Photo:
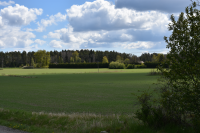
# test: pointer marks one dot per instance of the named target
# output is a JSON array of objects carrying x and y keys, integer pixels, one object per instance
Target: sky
[{"x": 130, "y": 26}]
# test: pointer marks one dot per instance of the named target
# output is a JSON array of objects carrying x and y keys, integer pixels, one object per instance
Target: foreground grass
[{"x": 79, "y": 123}]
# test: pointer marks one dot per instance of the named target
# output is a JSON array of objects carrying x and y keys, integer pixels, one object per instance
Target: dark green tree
[{"x": 180, "y": 90}]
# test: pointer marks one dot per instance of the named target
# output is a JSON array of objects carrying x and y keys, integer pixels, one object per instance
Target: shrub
[
  {"x": 154, "y": 64},
  {"x": 155, "y": 72},
  {"x": 130, "y": 66},
  {"x": 28, "y": 67},
  {"x": 79, "y": 65},
  {"x": 116, "y": 65},
  {"x": 140, "y": 66}
]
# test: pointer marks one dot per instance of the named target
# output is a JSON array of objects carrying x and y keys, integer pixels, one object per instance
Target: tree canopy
[{"x": 42, "y": 58}]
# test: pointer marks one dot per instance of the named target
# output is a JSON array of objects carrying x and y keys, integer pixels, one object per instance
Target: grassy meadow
[
  {"x": 73, "y": 90},
  {"x": 75, "y": 100}
]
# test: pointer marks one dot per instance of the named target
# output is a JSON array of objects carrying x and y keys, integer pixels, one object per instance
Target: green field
[{"x": 73, "y": 90}]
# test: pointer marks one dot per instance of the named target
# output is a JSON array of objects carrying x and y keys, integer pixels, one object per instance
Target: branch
[{"x": 198, "y": 4}]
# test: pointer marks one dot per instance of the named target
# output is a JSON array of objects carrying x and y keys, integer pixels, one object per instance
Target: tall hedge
[
  {"x": 154, "y": 64},
  {"x": 79, "y": 65}
]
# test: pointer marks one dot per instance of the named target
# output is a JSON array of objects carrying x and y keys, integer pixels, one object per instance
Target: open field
[
  {"x": 75, "y": 100},
  {"x": 19, "y": 71},
  {"x": 73, "y": 90}
]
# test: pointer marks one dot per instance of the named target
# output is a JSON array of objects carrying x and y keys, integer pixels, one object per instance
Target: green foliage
[
  {"x": 75, "y": 58},
  {"x": 71, "y": 60},
  {"x": 79, "y": 65},
  {"x": 140, "y": 66},
  {"x": 126, "y": 61},
  {"x": 60, "y": 60},
  {"x": 160, "y": 58},
  {"x": 130, "y": 66},
  {"x": 32, "y": 62},
  {"x": 154, "y": 58},
  {"x": 28, "y": 67},
  {"x": 119, "y": 59},
  {"x": 154, "y": 64},
  {"x": 116, "y": 65},
  {"x": 180, "y": 84},
  {"x": 42, "y": 58},
  {"x": 105, "y": 59}
]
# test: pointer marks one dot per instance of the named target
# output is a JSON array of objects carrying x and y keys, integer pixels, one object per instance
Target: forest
[{"x": 18, "y": 59}]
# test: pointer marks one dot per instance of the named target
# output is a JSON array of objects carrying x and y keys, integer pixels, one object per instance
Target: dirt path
[{"x": 4, "y": 129}]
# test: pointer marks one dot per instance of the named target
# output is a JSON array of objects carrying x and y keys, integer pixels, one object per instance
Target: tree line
[{"x": 43, "y": 58}]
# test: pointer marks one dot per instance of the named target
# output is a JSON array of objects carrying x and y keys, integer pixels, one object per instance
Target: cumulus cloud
[
  {"x": 2, "y": 44},
  {"x": 55, "y": 44},
  {"x": 4, "y": 3},
  {"x": 41, "y": 42},
  {"x": 19, "y": 15},
  {"x": 102, "y": 15},
  {"x": 139, "y": 44},
  {"x": 11, "y": 21},
  {"x": 100, "y": 24},
  {"x": 167, "y": 6},
  {"x": 52, "y": 20},
  {"x": 14, "y": 37}
]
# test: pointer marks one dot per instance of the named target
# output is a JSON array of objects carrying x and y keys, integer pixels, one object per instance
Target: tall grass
[{"x": 40, "y": 122}]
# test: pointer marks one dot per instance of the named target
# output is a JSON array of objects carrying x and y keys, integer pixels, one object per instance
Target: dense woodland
[{"x": 17, "y": 59}]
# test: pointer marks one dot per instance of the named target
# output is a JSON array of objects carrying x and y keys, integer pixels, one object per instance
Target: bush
[
  {"x": 79, "y": 65},
  {"x": 154, "y": 64},
  {"x": 116, "y": 65},
  {"x": 140, "y": 66},
  {"x": 130, "y": 66},
  {"x": 28, "y": 67}
]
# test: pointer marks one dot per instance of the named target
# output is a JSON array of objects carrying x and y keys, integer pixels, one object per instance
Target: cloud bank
[
  {"x": 12, "y": 19},
  {"x": 167, "y": 6},
  {"x": 4, "y": 3},
  {"x": 100, "y": 24}
]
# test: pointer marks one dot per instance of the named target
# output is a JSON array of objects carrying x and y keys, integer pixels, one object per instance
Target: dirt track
[{"x": 4, "y": 129}]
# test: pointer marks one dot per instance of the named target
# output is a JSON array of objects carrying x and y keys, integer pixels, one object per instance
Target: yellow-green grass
[
  {"x": 73, "y": 90},
  {"x": 19, "y": 71}
]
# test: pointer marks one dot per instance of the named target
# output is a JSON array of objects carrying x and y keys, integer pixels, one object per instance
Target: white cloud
[
  {"x": 41, "y": 42},
  {"x": 54, "y": 35},
  {"x": 102, "y": 15},
  {"x": 2, "y": 45},
  {"x": 13, "y": 37},
  {"x": 143, "y": 45},
  {"x": 1, "y": 23},
  {"x": 19, "y": 15},
  {"x": 28, "y": 48},
  {"x": 55, "y": 44},
  {"x": 52, "y": 20},
  {"x": 11, "y": 21},
  {"x": 4, "y": 3},
  {"x": 45, "y": 36}
]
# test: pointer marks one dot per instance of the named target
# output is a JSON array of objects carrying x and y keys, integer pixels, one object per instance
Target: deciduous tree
[{"x": 105, "y": 59}]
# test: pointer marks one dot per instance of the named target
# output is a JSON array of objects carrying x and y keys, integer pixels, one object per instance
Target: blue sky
[{"x": 130, "y": 26}]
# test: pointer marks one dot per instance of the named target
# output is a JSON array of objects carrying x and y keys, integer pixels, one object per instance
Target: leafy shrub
[
  {"x": 116, "y": 65},
  {"x": 140, "y": 66},
  {"x": 130, "y": 66},
  {"x": 154, "y": 64},
  {"x": 79, "y": 65},
  {"x": 155, "y": 72}
]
